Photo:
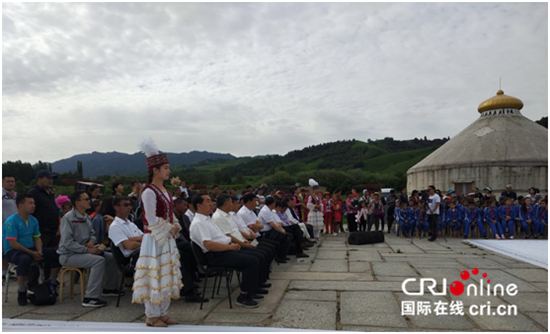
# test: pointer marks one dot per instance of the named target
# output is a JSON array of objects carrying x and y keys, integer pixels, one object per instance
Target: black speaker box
[{"x": 365, "y": 238}]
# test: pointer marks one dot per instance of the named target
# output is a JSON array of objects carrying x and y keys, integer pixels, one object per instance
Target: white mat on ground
[
  {"x": 530, "y": 251},
  {"x": 30, "y": 325}
]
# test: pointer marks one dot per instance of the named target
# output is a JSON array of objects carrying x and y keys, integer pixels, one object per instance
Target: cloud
[{"x": 258, "y": 78}]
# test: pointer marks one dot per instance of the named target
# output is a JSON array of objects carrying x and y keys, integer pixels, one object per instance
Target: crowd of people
[{"x": 157, "y": 226}]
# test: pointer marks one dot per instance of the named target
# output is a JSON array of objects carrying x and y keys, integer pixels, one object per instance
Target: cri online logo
[{"x": 457, "y": 288}]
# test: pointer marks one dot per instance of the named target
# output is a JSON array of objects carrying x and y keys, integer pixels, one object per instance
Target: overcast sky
[{"x": 251, "y": 79}]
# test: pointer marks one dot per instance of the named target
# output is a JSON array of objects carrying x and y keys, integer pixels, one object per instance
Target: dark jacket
[
  {"x": 46, "y": 211},
  {"x": 185, "y": 223}
]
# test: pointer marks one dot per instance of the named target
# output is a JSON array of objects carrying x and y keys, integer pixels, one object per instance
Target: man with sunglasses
[
  {"x": 78, "y": 248},
  {"x": 124, "y": 234}
]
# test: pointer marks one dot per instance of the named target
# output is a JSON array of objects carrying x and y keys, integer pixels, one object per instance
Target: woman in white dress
[
  {"x": 315, "y": 207},
  {"x": 157, "y": 278}
]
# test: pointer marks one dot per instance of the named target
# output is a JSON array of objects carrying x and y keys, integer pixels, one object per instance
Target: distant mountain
[{"x": 110, "y": 163}]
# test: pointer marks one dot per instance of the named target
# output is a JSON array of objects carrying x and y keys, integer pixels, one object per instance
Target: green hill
[{"x": 348, "y": 162}]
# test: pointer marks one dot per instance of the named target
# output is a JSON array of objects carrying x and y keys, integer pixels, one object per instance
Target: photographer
[{"x": 433, "y": 211}]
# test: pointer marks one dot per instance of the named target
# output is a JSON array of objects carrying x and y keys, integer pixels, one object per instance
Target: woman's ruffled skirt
[
  {"x": 157, "y": 277},
  {"x": 316, "y": 219}
]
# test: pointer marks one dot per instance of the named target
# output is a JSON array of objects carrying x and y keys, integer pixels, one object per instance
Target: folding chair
[
  {"x": 205, "y": 269},
  {"x": 124, "y": 264}
]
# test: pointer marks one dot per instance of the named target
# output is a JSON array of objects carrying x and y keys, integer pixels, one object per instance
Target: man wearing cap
[
  {"x": 509, "y": 193},
  {"x": 46, "y": 211}
]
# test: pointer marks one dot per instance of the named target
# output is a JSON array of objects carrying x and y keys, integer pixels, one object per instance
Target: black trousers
[
  {"x": 298, "y": 236},
  {"x": 373, "y": 219},
  {"x": 246, "y": 263},
  {"x": 432, "y": 220},
  {"x": 263, "y": 269},
  {"x": 188, "y": 266},
  {"x": 309, "y": 229},
  {"x": 390, "y": 222},
  {"x": 363, "y": 223},
  {"x": 352, "y": 224},
  {"x": 283, "y": 238},
  {"x": 270, "y": 246}
]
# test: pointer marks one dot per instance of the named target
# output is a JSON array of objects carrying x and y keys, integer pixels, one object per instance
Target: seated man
[
  {"x": 223, "y": 220},
  {"x": 219, "y": 251},
  {"x": 78, "y": 248},
  {"x": 249, "y": 233},
  {"x": 307, "y": 229},
  {"x": 246, "y": 213},
  {"x": 274, "y": 230},
  {"x": 292, "y": 229},
  {"x": 187, "y": 259},
  {"x": 290, "y": 226},
  {"x": 124, "y": 234},
  {"x": 22, "y": 244}
]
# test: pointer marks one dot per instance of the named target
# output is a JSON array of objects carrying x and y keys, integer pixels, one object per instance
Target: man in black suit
[{"x": 187, "y": 259}]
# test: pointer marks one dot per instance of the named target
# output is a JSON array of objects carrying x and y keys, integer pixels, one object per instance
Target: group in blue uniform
[{"x": 532, "y": 218}]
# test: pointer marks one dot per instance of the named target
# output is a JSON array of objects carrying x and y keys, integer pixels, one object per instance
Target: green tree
[
  {"x": 79, "y": 170},
  {"x": 19, "y": 187}
]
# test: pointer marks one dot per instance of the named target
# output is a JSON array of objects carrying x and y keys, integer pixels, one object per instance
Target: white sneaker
[
  {"x": 334, "y": 234},
  {"x": 511, "y": 237}
]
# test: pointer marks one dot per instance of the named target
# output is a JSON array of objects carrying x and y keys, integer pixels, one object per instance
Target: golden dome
[{"x": 500, "y": 101}]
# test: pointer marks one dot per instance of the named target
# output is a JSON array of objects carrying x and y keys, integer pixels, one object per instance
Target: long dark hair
[{"x": 150, "y": 174}]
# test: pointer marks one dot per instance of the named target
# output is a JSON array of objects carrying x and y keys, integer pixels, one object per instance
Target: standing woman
[
  {"x": 297, "y": 200},
  {"x": 337, "y": 209},
  {"x": 157, "y": 278},
  {"x": 315, "y": 207},
  {"x": 376, "y": 211}
]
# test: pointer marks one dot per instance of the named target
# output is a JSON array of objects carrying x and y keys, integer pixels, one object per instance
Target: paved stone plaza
[{"x": 346, "y": 287}]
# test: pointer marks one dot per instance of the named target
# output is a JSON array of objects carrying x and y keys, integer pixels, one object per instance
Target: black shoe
[
  {"x": 302, "y": 255},
  {"x": 111, "y": 293},
  {"x": 286, "y": 259},
  {"x": 93, "y": 302},
  {"x": 245, "y": 301},
  {"x": 265, "y": 285},
  {"x": 257, "y": 298},
  {"x": 195, "y": 299},
  {"x": 431, "y": 240},
  {"x": 22, "y": 298},
  {"x": 307, "y": 244},
  {"x": 262, "y": 292},
  {"x": 527, "y": 236}
]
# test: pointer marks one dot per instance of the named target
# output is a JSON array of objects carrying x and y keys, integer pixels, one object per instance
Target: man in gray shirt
[{"x": 77, "y": 248}]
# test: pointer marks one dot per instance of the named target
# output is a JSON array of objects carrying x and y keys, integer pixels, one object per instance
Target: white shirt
[
  {"x": 122, "y": 230},
  {"x": 190, "y": 214},
  {"x": 203, "y": 229},
  {"x": 226, "y": 224},
  {"x": 266, "y": 216},
  {"x": 249, "y": 217},
  {"x": 432, "y": 203},
  {"x": 184, "y": 190},
  {"x": 290, "y": 217},
  {"x": 241, "y": 225}
]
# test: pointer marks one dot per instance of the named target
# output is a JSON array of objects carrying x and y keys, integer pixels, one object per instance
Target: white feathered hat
[
  {"x": 313, "y": 184},
  {"x": 154, "y": 159}
]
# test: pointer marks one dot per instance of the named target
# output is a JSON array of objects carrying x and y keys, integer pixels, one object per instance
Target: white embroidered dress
[
  {"x": 315, "y": 218},
  {"x": 157, "y": 278}
]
